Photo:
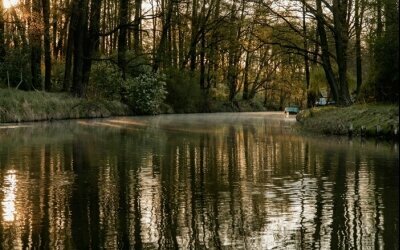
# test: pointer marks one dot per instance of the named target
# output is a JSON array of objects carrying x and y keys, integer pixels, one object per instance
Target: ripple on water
[{"x": 213, "y": 181}]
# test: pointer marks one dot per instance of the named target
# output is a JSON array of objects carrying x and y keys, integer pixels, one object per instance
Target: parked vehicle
[
  {"x": 291, "y": 110},
  {"x": 321, "y": 102}
]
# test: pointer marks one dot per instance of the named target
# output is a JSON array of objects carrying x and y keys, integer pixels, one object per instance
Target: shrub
[
  {"x": 184, "y": 94},
  {"x": 105, "y": 81},
  {"x": 137, "y": 64},
  {"x": 145, "y": 93}
]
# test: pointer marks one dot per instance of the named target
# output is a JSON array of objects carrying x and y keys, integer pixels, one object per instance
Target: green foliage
[
  {"x": 386, "y": 70},
  {"x": 57, "y": 75},
  {"x": 317, "y": 80},
  {"x": 220, "y": 93},
  {"x": 137, "y": 65},
  {"x": 145, "y": 93},
  {"x": 105, "y": 81},
  {"x": 16, "y": 69},
  {"x": 184, "y": 93}
]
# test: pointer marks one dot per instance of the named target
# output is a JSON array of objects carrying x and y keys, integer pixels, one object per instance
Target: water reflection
[
  {"x": 8, "y": 204},
  {"x": 193, "y": 182}
]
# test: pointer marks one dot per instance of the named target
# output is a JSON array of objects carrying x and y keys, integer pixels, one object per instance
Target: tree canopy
[{"x": 280, "y": 52}]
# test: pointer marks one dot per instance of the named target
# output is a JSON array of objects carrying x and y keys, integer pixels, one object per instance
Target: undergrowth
[{"x": 22, "y": 106}]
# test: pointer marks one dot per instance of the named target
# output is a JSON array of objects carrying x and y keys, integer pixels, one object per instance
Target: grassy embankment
[
  {"x": 369, "y": 120},
  {"x": 22, "y": 106}
]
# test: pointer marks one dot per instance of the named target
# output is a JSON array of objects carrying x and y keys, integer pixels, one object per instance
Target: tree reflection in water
[{"x": 242, "y": 182}]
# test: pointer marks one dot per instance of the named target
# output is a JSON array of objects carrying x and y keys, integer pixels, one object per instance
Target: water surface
[{"x": 207, "y": 181}]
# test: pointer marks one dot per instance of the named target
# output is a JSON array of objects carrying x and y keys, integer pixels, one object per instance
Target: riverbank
[
  {"x": 23, "y": 106},
  {"x": 366, "y": 120}
]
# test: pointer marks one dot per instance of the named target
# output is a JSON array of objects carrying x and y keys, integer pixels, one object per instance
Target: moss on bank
[
  {"x": 369, "y": 120},
  {"x": 22, "y": 106}
]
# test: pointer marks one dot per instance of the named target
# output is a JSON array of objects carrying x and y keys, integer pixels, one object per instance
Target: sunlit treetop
[{"x": 10, "y": 3}]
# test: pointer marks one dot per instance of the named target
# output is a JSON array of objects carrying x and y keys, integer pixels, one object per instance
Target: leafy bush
[
  {"x": 137, "y": 64},
  {"x": 145, "y": 93},
  {"x": 105, "y": 81},
  {"x": 184, "y": 94}
]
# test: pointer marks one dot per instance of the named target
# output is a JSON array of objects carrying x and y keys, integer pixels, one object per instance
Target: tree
[
  {"x": 137, "y": 43},
  {"x": 310, "y": 100},
  {"x": 341, "y": 34},
  {"x": 234, "y": 49},
  {"x": 47, "y": 52},
  {"x": 80, "y": 43},
  {"x": 387, "y": 52},
  {"x": 358, "y": 17},
  {"x": 163, "y": 39},
  {"x": 2, "y": 44},
  {"x": 325, "y": 55},
  {"x": 35, "y": 31},
  {"x": 122, "y": 36},
  {"x": 92, "y": 45}
]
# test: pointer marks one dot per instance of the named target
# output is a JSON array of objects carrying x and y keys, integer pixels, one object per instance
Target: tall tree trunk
[
  {"x": 80, "y": 40},
  {"x": 234, "y": 50},
  {"x": 379, "y": 22},
  {"x": 2, "y": 42},
  {"x": 36, "y": 45},
  {"x": 341, "y": 36},
  {"x": 137, "y": 43},
  {"x": 122, "y": 42},
  {"x": 47, "y": 50},
  {"x": 60, "y": 49},
  {"x": 154, "y": 31},
  {"x": 314, "y": 59},
  {"x": 231, "y": 74},
  {"x": 181, "y": 41},
  {"x": 193, "y": 38},
  {"x": 174, "y": 38},
  {"x": 163, "y": 40},
  {"x": 73, "y": 25},
  {"x": 214, "y": 48},
  {"x": 246, "y": 83},
  {"x": 326, "y": 63},
  {"x": 92, "y": 48},
  {"x": 358, "y": 24},
  {"x": 103, "y": 28},
  {"x": 202, "y": 60},
  {"x": 310, "y": 100},
  {"x": 54, "y": 27}
]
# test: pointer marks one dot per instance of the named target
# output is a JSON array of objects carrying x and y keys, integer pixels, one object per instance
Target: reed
[{"x": 23, "y": 106}]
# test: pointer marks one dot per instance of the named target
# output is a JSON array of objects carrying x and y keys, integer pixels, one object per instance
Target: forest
[{"x": 188, "y": 55}]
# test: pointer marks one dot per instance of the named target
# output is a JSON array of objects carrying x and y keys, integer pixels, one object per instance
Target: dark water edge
[{"x": 218, "y": 181}]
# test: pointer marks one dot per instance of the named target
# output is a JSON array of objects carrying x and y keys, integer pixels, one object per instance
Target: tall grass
[
  {"x": 22, "y": 106},
  {"x": 337, "y": 120}
]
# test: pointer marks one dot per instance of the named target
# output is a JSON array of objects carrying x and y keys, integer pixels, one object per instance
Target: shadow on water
[{"x": 194, "y": 182}]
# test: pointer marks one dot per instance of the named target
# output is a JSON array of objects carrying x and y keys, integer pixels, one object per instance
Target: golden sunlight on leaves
[{"x": 10, "y": 3}]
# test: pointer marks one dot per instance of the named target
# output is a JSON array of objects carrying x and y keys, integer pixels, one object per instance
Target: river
[{"x": 198, "y": 181}]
